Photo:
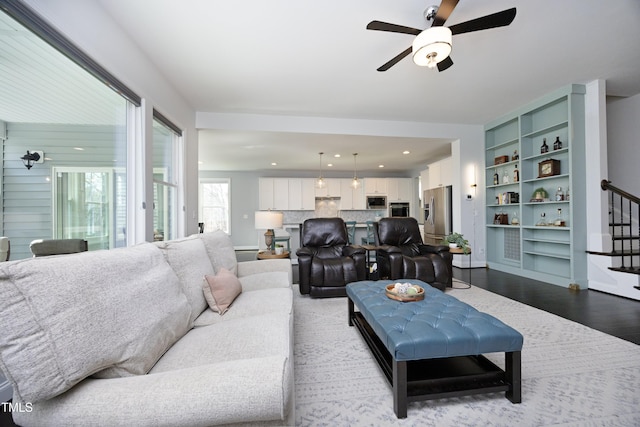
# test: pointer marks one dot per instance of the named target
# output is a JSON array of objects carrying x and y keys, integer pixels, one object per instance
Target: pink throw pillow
[{"x": 220, "y": 290}]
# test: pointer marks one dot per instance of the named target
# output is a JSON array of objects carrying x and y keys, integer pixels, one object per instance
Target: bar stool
[
  {"x": 371, "y": 238},
  {"x": 351, "y": 231},
  {"x": 280, "y": 237}
]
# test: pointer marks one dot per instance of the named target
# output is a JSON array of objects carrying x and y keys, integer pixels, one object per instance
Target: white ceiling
[{"x": 316, "y": 59}]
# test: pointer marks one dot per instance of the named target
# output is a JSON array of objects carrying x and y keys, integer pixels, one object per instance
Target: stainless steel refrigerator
[{"x": 437, "y": 214}]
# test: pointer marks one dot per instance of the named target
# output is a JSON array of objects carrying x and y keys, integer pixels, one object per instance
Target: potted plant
[
  {"x": 279, "y": 249},
  {"x": 456, "y": 240},
  {"x": 540, "y": 194}
]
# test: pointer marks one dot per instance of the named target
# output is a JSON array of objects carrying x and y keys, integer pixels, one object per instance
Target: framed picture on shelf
[{"x": 549, "y": 167}]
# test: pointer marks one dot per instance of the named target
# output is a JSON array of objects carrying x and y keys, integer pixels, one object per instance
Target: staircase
[{"x": 624, "y": 226}]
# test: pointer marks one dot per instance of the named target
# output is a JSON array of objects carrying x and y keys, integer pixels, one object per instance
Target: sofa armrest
[
  {"x": 218, "y": 393},
  {"x": 247, "y": 268}
]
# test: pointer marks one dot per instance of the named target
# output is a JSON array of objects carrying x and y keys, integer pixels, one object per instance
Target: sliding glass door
[{"x": 85, "y": 206}]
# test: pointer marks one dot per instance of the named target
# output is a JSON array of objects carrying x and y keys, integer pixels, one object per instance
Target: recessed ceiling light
[
  {"x": 406, "y": 152},
  {"x": 274, "y": 164},
  {"x": 336, "y": 155},
  {"x": 380, "y": 166},
  {"x": 330, "y": 165}
]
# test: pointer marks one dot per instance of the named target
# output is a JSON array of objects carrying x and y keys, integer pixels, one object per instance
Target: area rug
[{"x": 572, "y": 375}]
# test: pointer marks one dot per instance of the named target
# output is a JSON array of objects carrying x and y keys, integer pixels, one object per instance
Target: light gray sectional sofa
[{"x": 125, "y": 337}]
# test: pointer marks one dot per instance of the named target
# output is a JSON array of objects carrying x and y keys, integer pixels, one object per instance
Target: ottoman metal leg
[
  {"x": 400, "y": 388},
  {"x": 351, "y": 311},
  {"x": 513, "y": 373}
]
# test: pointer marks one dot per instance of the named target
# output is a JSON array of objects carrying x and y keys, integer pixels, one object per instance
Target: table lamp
[{"x": 268, "y": 220}]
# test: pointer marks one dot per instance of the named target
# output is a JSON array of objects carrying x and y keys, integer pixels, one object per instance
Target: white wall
[
  {"x": 623, "y": 141},
  {"x": 623, "y": 133},
  {"x": 94, "y": 31}
]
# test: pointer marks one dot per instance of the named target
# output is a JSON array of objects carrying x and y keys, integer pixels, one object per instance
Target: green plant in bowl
[
  {"x": 457, "y": 239},
  {"x": 540, "y": 193}
]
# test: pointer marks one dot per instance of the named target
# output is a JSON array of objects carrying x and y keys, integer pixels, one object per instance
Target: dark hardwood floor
[{"x": 610, "y": 314}]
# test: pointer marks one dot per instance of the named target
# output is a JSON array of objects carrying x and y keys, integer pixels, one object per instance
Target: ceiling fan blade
[
  {"x": 498, "y": 19},
  {"x": 444, "y": 10},
  {"x": 393, "y": 28},
  {"x": 445, "y": 63},
  {"x": 395, "y": 60}
]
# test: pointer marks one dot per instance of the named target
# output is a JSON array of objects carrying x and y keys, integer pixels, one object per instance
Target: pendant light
[
  {"x": 355, "y": 183},
  {"x": 320, "y": 182}
]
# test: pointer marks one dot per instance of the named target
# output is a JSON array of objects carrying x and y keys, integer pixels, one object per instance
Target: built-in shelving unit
[{"x": 553, "y": 252}]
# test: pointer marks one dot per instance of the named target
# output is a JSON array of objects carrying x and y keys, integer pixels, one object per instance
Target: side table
[
  {"x": 272, "y": 255},
  {"x": 370, "y": 249},
  {"x": 460, "y": 251}
]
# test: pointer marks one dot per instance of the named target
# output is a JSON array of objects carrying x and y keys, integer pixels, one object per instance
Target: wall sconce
[{"x": 30, "y": 158}]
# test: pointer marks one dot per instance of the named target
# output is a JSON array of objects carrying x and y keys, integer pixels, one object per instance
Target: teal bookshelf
[{"x": 553, "y": 252}]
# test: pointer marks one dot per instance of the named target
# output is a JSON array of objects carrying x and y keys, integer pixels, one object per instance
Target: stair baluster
[{"x": 624, "y": 243}]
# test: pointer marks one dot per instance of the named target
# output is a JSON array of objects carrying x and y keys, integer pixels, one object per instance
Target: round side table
[{"x": 272, "y": 255}]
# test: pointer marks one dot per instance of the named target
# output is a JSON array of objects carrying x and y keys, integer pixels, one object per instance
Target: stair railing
[{"x": 624, "y": 224}]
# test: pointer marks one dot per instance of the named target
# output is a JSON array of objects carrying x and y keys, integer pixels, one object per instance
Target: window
[
  {"x": 165, "y": 183},
  {"x": 84, "y": 206},
  {"x": 58, "y": 101},
  {"x": 215, "y": 204}
]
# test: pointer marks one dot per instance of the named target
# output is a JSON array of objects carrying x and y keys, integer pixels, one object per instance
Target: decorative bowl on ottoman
[{"x": 405, "y": 292}]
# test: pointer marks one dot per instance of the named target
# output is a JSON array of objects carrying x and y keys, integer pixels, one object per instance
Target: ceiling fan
[{"x": 432, "y": 46}]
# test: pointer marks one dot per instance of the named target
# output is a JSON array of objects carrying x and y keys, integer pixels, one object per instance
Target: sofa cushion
[
  {"x": 66, "y": 317},
  {"x": 253, "y": 303},
  {"x": 245, "y": 338},
  {"x": 220, "y": 249},
  {"x": 266, "y": 280},
  {"x": 189, "y": 259},
  {"x": 220, "y": 290}
]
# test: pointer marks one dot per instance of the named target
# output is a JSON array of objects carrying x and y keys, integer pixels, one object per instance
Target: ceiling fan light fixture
[{"x": 432, "y": 46}]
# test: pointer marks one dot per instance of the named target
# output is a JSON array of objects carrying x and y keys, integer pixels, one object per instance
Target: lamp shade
[
  {"x": 268, "y": 220},
  {"x": 431, "y": 46}
]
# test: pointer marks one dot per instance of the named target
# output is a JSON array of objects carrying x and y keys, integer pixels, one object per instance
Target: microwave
[{"x": 376, "y": 202}]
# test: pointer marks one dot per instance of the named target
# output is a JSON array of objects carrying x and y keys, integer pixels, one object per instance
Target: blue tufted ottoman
[{"x": 433, "y": 348}]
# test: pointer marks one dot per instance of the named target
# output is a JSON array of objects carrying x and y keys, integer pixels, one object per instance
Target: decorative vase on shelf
[
  {"x": 544, "y": 148},
  {"x": 453, "y": 245},
  {"x": 557, "y": 145}
]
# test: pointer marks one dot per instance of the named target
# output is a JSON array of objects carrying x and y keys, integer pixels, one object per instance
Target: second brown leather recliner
[{"x": 401, "y": 254}]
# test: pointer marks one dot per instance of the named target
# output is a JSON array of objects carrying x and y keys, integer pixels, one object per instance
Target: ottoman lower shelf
[{"x": 437, "y": 378}]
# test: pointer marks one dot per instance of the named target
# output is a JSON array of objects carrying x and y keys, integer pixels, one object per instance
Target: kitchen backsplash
[{"x": 298, "y": 217}]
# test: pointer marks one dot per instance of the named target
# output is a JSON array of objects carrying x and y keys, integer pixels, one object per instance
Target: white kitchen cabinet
[
  {"x": 351, "y": 198},
  {"x": 440, "y": 174},
  {"x": 265, "y": 194},
  {"x": 331, "y": 188},
  {"x": 281, "y": 194},
  {"x": 274, "y": 193},
  {"x": 399, "y": 189},
  {"x": 375, "y": 186},
  {"x": 302, "y": 194}
]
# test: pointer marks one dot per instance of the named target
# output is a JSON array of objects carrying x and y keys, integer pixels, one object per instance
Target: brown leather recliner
[
  {"x": 401, "y": 254},
  {"x": 326, "y": 261}
]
